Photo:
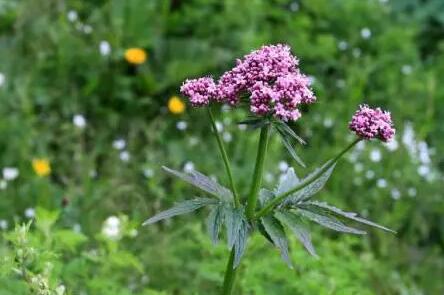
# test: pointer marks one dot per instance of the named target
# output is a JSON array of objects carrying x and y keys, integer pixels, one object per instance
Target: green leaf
[
  {"x": 202, "y": 182},
  {"x": 314, "y": 187},
  {"x": 241, "y": 242},
  {"x": 277, "y": 234},
  {"x": 289, "y": 181},
  {"x": 214, "y": 223},
  {"x": 284, "y": 128},
  {"x": 289, "y": 146},
  {"x": 329, "y": 222},
  {"x": 233, "y": 221},
  {"x": 265, "y": 196},
  {"x": 349, "y": 215},
  {"x": 254, "y": 122},
  {"x": 295, "y": 224},
  {"x": 181, "y": 208}
]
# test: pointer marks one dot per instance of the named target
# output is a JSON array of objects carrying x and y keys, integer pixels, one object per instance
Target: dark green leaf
[
  {"x": 214, "y": 223},
  {"x": 255, "y": 123},
  {"x": 241, "y": 242},
  {"x": 349, "y": 215},
  {"x": 295, "y": 224},
  {"x": 233, "y": 220},
  {"x": 181, "y": 208},
  {"x": 277, "y": 234},
  {"x": 202, "y": 182},
  {"x": 289, "y": 181},
  {"x": 329, "y": 222},
  {"x": 288, "y": 131},
  {"x": 290, "y": 148},
  {"x": 313, "y": 187},
  {"x": 265, "y": 196}
]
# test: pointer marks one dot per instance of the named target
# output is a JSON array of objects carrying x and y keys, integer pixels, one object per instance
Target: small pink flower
[
  {"x": 270, "y": 76},
  {"x": 371, "y": 123},
  {"x": 200, "y": 90}
]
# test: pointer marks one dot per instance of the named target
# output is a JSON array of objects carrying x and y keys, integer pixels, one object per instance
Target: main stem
[
  {"x": 224, "y": 157},
  {"x": 258, "y": 171},
  {"x": 230, "y": 275},
  {"x": 279, "y": 198},
  {"x": 230, "y": 272}
]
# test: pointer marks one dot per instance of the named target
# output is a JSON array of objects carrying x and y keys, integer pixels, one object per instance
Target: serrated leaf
[
  {"x": 265, "y": 196},
  {"x": 290, "y": 148},
  {"x": 289, "y": 181},
  {"x": 241, "y": 242},
  {"x": 233, "y": 219},
  {"x": 288, "y": 131},
  {"x": 202, "y": 182},
  {"x": 277, "y": 234},
  {"x": 313, "y": 187},
  {"x": 349, "y": 215},
  {"x": 295, "y": 224},
  {"x": 329, "y": 222},
  {"x": 214, "y": 222},
  {"x": 181, "y": 208}
]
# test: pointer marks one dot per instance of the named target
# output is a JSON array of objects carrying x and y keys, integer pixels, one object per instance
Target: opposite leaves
[
  {"x": 277, "y": 234},
  {"x": 181, "y": 208},
  {"x": 202, "y": 182}
]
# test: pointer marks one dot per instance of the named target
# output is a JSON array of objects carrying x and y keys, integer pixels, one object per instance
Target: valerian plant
[{"x": 270, "y": 82}]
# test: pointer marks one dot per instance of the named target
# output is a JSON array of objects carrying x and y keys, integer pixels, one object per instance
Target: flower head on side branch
[{"x": 371, "y": 123}]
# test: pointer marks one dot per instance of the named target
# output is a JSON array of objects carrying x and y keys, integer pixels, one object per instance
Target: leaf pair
[
  {"x": 222, "y": 212},
  {"x": 296, "y": 207},
  {"x": 203, "y": 183},
  {"x": 289, "y": 139}
]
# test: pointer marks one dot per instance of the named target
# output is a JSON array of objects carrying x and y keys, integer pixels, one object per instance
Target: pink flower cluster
[
  {"x": 371, "y": 123},
  {"x": 270, "y": 76},
  {"x": 200, "y": 91}
]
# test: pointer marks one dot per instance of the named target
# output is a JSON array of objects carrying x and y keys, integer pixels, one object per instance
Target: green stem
[
  {"x": 225, "y": 158},
  {"x": 230, "y": 275},
  {"x": 258, "y": 170},
  {"x": 279, "y": 198}
]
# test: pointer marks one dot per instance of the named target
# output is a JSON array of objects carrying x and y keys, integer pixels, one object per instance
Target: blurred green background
[{"x": 69, "y": 98}]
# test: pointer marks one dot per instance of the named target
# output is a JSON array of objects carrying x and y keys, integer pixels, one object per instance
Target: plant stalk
[
  {"x": 258, "y": 171},
  {"x": 230, "y": 276},
  {"x": 225, "y": 158},
  {"x": 279, "y": 198}
]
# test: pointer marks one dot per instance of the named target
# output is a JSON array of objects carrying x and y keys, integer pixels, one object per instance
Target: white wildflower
[
  {"x": 104, "y": 48},
  {"x": 188, "y": 167},
  {"x": 342, "y": 45},
  {"x": 3, "y": 224},
  {"x": 381, "y": 183},
  {"x": 111, "y": 228},
  {"x": 125, "y": 156},
  {"x": 406, "y": 69},
  {"x": 375, "y": 155},
  {"x": 72, "y": 15},
  {"x": 366, "y": 33},
  {"x": 30, "y": 213},
  {"x": 181, "y": 125},
  {"x": 148, "y": 172},
  {"x": 10, "y": 173},
  {"x": 227, "y": 137},
  {"x": 119, "y": 144},
  {"x": 79, "y": 121}
]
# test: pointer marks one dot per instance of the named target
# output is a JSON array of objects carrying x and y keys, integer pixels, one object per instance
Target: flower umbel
[
  {"x": 176, "y": 105},
  {"x": 270, "y": 76},
  {"x": 200, "y": 90},
  {"x": 41, "y": 167},
  {"x": 371, "y": 123},
  {"x": 135, "y": 56}
]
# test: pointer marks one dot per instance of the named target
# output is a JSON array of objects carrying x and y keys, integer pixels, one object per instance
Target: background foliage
[{"x": 54, "y": 65}]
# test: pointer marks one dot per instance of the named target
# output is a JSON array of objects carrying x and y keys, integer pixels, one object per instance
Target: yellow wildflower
[
  {"x": 41, "y": 167},
  {"x": 176, "y": 105},
  {"x": 135, "y": 56}
]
